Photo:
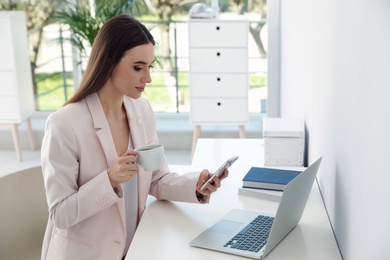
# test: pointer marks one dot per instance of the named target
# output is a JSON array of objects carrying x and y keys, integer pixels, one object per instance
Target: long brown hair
[{"x": 116, "y": 36}]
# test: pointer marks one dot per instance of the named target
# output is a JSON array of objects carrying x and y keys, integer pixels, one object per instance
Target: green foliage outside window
[{"x": 52, "y": 90}]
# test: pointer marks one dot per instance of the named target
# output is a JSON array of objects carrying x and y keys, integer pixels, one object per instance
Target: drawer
[
  {"x": 219, "y": 85},
  {"x": 222, "y": 110},
  {"x": 6, "y": 46},
  {"x": 218, "y": 33},
  {"x": 9, "y": 109},
  {"x": 7, "y": 84},
  {"x": 219, "y": 60}
]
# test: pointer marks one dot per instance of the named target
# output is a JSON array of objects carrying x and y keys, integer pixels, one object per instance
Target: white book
[{"x": 273, "y": 195}]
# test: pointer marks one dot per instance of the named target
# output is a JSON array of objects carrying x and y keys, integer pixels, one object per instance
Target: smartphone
[{"x": 220, "y": 170}]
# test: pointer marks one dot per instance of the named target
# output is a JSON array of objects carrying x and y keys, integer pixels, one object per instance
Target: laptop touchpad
[{"x": 225, "y": 227}]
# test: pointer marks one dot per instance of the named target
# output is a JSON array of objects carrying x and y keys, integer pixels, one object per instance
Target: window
[{"x": 169, "y": 90}]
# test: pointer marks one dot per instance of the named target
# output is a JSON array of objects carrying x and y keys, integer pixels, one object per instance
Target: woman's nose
[{"x": 147, "y": 78}]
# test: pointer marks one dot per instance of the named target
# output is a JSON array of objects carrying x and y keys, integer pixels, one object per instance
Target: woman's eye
[{"x": 136, "y": 68}]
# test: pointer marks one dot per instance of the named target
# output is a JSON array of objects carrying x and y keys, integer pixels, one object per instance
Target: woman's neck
[{"x": 112, "y": 104}]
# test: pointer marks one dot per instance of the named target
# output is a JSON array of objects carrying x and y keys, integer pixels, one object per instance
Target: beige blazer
[{"x": 86, "y": 217}]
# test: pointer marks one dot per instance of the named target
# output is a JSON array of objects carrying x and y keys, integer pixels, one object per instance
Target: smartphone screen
[{"x": 220, "y": 170}]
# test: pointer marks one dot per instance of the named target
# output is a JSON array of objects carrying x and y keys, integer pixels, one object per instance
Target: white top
[{"x": 130, "y": 191}]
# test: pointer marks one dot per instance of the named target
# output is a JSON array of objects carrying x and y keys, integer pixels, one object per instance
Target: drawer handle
[
  {"x": 218, "y": 79},
  {"x": 219, "y": 104},
  {"x": 218, "y": 54},
  {"x": 217, "y": 28}
]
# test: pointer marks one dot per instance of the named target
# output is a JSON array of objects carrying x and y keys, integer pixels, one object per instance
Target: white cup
[{"x": 150, "y": 156}]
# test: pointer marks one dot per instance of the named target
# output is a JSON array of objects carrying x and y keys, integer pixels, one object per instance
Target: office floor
[{"x": 9, "y": 163}]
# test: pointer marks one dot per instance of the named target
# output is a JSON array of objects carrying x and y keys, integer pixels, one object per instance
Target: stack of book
[{"x": 266, "y": 183}]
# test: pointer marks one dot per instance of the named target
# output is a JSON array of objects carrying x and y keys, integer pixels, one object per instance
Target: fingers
[
  {"x": 130, "y": 152},
  {"x": 125, "y": 168},
  {"x": 127, "y": 160},
  {"x": 128, "y": 169},
  {"x": 210, "y": 188},
  {"x": 224, "y": 175},
  {"x": 217, "y": 184},
  {"x": 124, "y": 174},
  {"x": 204, "y": 176},
  {"x": 217, "y": 180}
]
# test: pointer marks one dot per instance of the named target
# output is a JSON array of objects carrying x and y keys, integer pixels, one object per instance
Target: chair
[{"x": 23, "y": 214}]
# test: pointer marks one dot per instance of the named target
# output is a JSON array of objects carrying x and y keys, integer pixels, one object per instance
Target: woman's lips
[{"x": 140, "y": 89}]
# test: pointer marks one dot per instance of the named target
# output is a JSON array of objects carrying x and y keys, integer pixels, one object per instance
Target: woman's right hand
[{"x": 123, "y": 169}]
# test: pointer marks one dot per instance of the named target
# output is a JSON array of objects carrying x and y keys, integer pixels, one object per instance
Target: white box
[{"x": 284, "y": 141}]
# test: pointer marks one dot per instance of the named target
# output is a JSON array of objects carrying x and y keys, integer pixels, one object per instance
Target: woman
[{"x": 95, "y": 190}]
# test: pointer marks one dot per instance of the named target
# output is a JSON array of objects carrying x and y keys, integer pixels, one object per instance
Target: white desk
[{"x": 167, "y": 227}]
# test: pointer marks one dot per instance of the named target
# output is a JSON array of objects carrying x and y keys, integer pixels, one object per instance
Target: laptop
[{"x": 229, "y": 234}]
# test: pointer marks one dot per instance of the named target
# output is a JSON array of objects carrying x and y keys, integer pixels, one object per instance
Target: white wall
[{"x": 335, "y": 72}]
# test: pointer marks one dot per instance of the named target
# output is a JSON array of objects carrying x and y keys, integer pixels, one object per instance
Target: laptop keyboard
[{"x": 254, "y": 236}]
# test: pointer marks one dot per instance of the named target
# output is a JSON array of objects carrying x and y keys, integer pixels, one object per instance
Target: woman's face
[{"x": 132, "y": 73}]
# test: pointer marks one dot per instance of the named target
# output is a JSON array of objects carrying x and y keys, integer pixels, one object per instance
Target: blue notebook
[{"x": 268, "y": 178}]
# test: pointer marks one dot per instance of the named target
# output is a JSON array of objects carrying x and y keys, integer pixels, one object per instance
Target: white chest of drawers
[
  {"x": 16, "y": 87},
  {"x": 218, "y": 72}
]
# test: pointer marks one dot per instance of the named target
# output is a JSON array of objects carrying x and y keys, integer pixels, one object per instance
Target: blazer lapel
[{"x": 103, "y": 133}]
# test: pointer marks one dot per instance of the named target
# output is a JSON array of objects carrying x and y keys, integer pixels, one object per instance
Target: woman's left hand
[{"x": 210, "y": 188}]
